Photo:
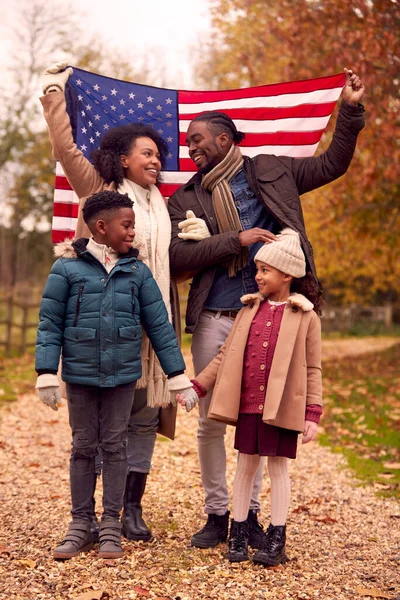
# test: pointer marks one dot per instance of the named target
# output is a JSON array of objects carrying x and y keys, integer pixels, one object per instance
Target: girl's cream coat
[{"x": 295, "y": 379}]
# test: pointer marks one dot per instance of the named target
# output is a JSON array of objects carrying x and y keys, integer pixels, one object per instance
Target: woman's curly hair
[
  {"x": 308, "y": 286},
  {"x": 119, "y": 140}
]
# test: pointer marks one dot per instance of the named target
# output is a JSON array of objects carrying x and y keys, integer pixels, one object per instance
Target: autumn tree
[
  {"x": 26, "y": 163},
  {"x": 256, "y": 42}
]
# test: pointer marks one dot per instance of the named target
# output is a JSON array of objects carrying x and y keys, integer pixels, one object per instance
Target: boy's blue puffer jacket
[{"x": 96, "y": 319}]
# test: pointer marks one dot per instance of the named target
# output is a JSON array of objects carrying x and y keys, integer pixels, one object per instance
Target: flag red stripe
[
  {"x": 276, "y": 89},
  {"x": 281, "y": 138},
  {"x": 62, "y": 183},
  {"x": 272, "y": 114},
  {"x": 167, "y": 189},
  {"x": 64, "y": 209},
  {"x": 60, "y": 235}
]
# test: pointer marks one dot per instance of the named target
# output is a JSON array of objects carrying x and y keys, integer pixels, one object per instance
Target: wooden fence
[
  {"x": 20, "y": 314},
  {"x": 342, "y": 318},
  {"x": 15, "y": 316}
]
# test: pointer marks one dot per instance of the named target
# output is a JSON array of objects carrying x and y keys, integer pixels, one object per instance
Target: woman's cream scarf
[{"x": 153, "y": 378}]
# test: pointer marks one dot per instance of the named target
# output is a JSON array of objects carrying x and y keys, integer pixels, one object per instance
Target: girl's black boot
[
  {"x": 272, "y": 552},
  {"x": 238, "y": 541}
]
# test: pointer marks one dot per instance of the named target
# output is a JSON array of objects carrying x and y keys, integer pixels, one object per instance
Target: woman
[{"x": 129, "y": 161}]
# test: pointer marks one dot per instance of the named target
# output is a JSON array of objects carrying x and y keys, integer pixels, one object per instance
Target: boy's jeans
[
  {"x": 98, "y": 418},
  {"x": 142, "y": 433}
]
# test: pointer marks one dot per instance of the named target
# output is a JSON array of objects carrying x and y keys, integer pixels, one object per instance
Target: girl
[{"x": 268, "y": 382}]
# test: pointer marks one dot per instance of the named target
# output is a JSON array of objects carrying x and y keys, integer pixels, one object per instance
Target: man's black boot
[
  {"x": 272, "y": 552},
  {"x": 256, "y": 531},
  {"x": 238, "y": 541},
  {"x": 213, "y": 532},
  {"x": 133, "y": 525}
]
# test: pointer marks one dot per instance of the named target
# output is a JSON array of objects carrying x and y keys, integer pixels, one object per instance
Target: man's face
[{"x": 206, "y": 149}]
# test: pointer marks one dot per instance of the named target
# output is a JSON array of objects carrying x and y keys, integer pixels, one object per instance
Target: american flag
[{"x": 282, "y": 119}]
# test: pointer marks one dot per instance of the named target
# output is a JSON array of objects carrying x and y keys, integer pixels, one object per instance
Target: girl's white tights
[{"x": 243, "y": 486}]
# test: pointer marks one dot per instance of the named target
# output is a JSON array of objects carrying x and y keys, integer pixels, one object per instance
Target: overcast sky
[{"x": 174, "y": 28}]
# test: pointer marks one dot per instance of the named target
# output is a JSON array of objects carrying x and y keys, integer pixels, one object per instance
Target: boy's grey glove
[
  {"x": 49, "y": 390},
  {"x": 188, "y": 399},
  {"x": 55, "y": 77},
  {"x": 178, "y": 385},
  {"x": 193, "y": 228}
]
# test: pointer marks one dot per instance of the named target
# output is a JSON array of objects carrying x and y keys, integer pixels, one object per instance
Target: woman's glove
[
  {"x": 55, "y": 77},
  {"x": 193, "y": 228},
  {"x": 188, "y": 399},
  {"x": 49, "y": 390}
]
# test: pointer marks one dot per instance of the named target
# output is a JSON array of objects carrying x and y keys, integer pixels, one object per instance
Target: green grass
[
  {"x": 362, "y": 416},
  {"x": 17, "y": 376}
]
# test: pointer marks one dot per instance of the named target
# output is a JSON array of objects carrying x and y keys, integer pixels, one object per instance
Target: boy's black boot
[
  {"x": 256, "y": 531},
  {"x": 133, "y": 525},
  {"x": 213, "y": 532},
  {"x": 78, "y": 539},
  {"x": 238, "y": 541},
  {"x": 272, "y": 552}
]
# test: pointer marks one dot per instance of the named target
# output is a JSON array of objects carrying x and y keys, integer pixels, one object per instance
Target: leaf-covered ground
[{"x": 343, "y": 541}]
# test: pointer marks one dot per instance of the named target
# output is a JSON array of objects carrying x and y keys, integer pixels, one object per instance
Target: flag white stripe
[
  {"x": 59, "y": 169},
  {"x": 176, "y": 176},
  {"x": 64, "y": 223},
  {"x": 283, "y": 101},
  {"x": 291, "y": 125},
  {"x": 64, "y": 197},
  {"x": 293, "y": 151}
]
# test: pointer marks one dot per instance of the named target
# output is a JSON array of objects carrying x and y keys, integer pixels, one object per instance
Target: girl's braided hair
[{"x": 220, "y": 122}]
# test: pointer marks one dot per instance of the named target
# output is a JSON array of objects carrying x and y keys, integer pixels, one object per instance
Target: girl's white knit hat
[{"x": 285, "y": 253}]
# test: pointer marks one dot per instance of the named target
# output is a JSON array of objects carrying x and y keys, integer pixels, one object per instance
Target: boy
[{"x": 97, "y": 297}]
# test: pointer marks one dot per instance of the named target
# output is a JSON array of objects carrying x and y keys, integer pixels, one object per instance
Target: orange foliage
[{"x": 264, "y": 41}]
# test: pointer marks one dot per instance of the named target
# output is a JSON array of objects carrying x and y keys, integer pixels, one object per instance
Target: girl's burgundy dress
[{"x": 252, "y": 435}]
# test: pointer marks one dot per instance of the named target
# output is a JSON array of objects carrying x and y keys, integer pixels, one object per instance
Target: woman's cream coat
[{"x": 295, "y": 379}]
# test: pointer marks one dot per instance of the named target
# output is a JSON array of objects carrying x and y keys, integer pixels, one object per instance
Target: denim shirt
[{"x": 225, "y": 292}]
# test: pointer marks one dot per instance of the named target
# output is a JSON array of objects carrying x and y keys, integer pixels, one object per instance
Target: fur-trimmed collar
[
  {"x": 72, "y": 248},
  {"x": 294, "y": 300},
  {"x": 65, "y": 249}
]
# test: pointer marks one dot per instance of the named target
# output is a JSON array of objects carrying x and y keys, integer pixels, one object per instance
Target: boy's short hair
[{"x": 104, "y": 202}]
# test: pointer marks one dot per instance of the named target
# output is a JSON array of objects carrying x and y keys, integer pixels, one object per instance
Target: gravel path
[{"x": 343, "y": 541}]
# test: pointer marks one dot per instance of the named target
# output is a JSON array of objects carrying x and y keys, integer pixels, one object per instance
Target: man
[{"x": 237, "y": 205}]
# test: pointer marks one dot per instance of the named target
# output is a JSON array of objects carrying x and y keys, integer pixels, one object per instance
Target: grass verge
[
  {"x": 362, "y": 416},
  {"x": 17, "y": 376}
]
